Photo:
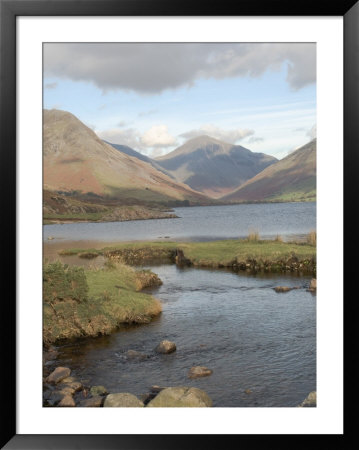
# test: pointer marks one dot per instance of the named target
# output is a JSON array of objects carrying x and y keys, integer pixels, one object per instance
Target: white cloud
[
  {"x": 130, "y": 137},
  {"x": 158, "y": 137},
  {"x": 152, "y": 68},
  {"x": 230, "y": 136},
  {"x": 157, "y": 152}
]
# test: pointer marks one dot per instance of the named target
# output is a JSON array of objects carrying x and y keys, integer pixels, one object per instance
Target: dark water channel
[{"x": 261, "y": 345}]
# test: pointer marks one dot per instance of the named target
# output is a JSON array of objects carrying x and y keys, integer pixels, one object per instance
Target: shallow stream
[{"x": 261, "y": 345}]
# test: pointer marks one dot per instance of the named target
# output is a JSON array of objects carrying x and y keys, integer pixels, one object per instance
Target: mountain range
[{"x": 78, "y": 164}]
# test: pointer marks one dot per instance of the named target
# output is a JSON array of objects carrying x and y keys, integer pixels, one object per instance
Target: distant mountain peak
[
  {"x": 212, "y": 166},
  {"x": 204, "y": 139}
]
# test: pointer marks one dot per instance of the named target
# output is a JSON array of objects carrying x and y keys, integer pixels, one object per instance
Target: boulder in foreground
[
  {"x": 310, "y": 401},
  {"x": 92, "y": 402},
  {"x": 122, "y": 400},
  {"x": 67, "y": 401},
  {"x": 181, "y": 397}
]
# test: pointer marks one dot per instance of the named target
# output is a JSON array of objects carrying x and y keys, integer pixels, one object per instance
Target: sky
[{"x": 154, "y": 97}]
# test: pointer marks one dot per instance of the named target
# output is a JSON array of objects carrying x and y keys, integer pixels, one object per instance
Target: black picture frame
[{"x": 9, "y": 10}]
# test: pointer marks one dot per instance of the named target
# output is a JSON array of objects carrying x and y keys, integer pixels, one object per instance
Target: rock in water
[
  {"x": 122, "y": 400},
  {"x": 98, "y": 390},
  {"x": 199, "y": 371},
  {"x": 67, "y": 401},
  {"x": 75, "y": 385},
  {"x": 310, "y": 401},
  {"x": 166, "y": 347},
  {"x": 68, "y": 380},
  {"x": 59, "y": 374},
  {"x": 313, "y": 285},
  {"x": 181, "y": 397},
  {"x": 67, "y": 390},
  {"x": 282, "y": 289},
  {"x": 93, "y": 402},
  {"x": 133, "y": 354}
]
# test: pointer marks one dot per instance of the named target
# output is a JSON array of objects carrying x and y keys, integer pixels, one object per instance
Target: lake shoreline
[
  {"x": 195, "y": 224},
  {"x": 160, "y": 214},
  {"x": 60, "y": 221}
]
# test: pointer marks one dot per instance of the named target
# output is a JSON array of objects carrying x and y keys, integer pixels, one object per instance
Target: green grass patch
[
  {"x": 303, "y": 191},
  {"x": 242, "y": 254},
  {"x": 105, "y": 299},
  {"x": 224, "y": 252}
]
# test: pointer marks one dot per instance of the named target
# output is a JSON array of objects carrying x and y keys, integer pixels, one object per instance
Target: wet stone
[
  {"x": 282, "y": 289},
  {"x": 133, "y": 354},
  {"x": 310, "y": 401},
  {"x": 121, "y": 400},
  {"x": 58, "y": 375},
  {"x": 98, "y": 390},
  {"x": 92, "y": 402},
  {"x": 199, "y": 371},
  {"x": 166, "y": 347},
  {"x": 67, "y": 401},
  {"x": 181, "y": 397}
]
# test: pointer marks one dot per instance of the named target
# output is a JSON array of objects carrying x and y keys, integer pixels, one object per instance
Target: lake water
[
  {"x": 253, "y": 339},
  {"x": 199, "y": 224}
]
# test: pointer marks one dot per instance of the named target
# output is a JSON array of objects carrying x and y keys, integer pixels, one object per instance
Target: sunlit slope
[
  {"x": 293, "y": 178},
  {"x": 75, "y": 159}
]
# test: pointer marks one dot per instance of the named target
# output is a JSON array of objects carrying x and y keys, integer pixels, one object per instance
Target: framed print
[{"x": 167, "y": 171}]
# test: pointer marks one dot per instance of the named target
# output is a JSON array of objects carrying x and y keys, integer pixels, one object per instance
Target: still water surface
[
  {"x": 199, "y": 223},
  {"x": 235, "y": 324}
]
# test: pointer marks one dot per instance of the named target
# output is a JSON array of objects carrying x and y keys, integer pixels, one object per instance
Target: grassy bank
[
  {"x": 79, "y": 303},
  {"x": 240, "y": 254},
  {"x": 246, "y": 253}
]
